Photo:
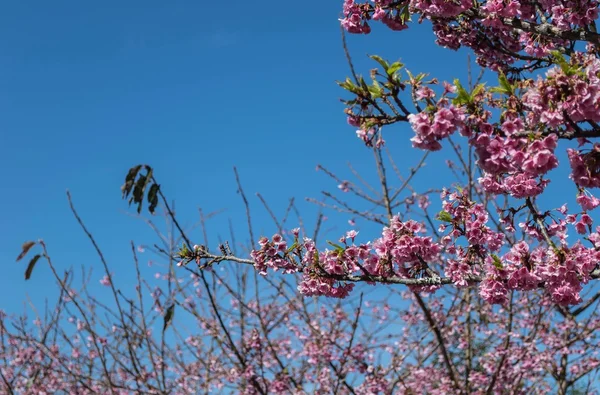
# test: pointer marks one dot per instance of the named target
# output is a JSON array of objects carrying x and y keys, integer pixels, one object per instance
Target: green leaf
[
  {"x": 561, "y": 61},
  {"x": 348, "y": 85},
  {"x": 350, "y": 102},
  {"x": 342, "y": 84},
  {"x": 31, "y": 265},
  {"x": 25, "y": 249},
  {"x": 394, "y": 67},
  {"x": 497, "y": 261},
  {"x": 183, "y": 252},
  {"x": 505, "y": 85},
  {"x": 478, "y": 89},
  {"x": 405, "y": 14},
  {"x": 462, "y": 96},
  {"x": 380, "y": 60},
  {"x": 292, "y": 247},
  {"x": 389, "y": 69},
  {"x": 375, "y": 90},
  {"x": 368, "y": 124},
  {"x": 338, "y": 248},
  {"x": 418, "y": 78},
  {"x": 363, "y": 84},
  {"x": 445, "y": 216},
  {"x": 168, "y": 317},
  {"x": 430, "y": 108}
]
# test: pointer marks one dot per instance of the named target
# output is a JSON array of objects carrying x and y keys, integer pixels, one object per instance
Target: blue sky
[{"x": 89, "y": 89}]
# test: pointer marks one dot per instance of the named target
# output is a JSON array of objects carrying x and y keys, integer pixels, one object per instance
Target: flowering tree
[
  {"x": 512, "y": 132},
  {"x": 488, "y": 295}
]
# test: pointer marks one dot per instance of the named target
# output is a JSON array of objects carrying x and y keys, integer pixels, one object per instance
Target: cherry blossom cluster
[
  {"x": 512, "y": 154},
  {"x": 356, "y": 16},
  {"x": 400, "y": 251},
  {"x": 402, "y": 244},
  {"x": 487, "y": 27},
  {"x": 561, "y": 271},
  {"x": 515, "y": 165},
  {"x": 570, "y": 92},
  {"x": 466, "y": 219},
  {"x": 517, "y": 153},
  {"x": 469, "y": 251},
  {"x": 354, "y": 20},
  {"x": 585, "y": 170},
  {"x": 403, "y": 252},
  {"x": 568, "y": 14},
  {"x": 430, "y": 128}
]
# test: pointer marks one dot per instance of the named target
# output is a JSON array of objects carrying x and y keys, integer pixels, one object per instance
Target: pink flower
[
  {"x": 105, "y": 281},
  {"x": 493, "y": 291},
  {"x": 351, "y": 234},
  {"x": 588, "y": 202},
  {"x": 344, "y": 186},
  {"x": 428, "y": 130}
]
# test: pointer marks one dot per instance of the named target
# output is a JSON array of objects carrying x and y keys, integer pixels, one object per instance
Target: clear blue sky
[{"x": 88, "y": 89}]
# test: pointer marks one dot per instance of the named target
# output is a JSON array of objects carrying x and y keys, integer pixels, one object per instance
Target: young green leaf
[
  {"x": 292, "y": 247},
  {"x": 462, "y": 96},
  {"x": 183, "y": 252},
  {"x": 478, "y": 89},
  {"x": 337, "y": 247},
  {"x": 394, "y": 67},
  {"x": 445, "y": 216},
  {"x": 561, "y": 61},
  {"x": 375, "y": 90},
  {"x": 363, "y": 84},
  {"x": 380, "y": 60},
  {"x": 505, "y": 84},
  {"x": 405, "y": 14},
  {"x": 497, "y": 261},
  {"x": 349, "y": 85}
]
